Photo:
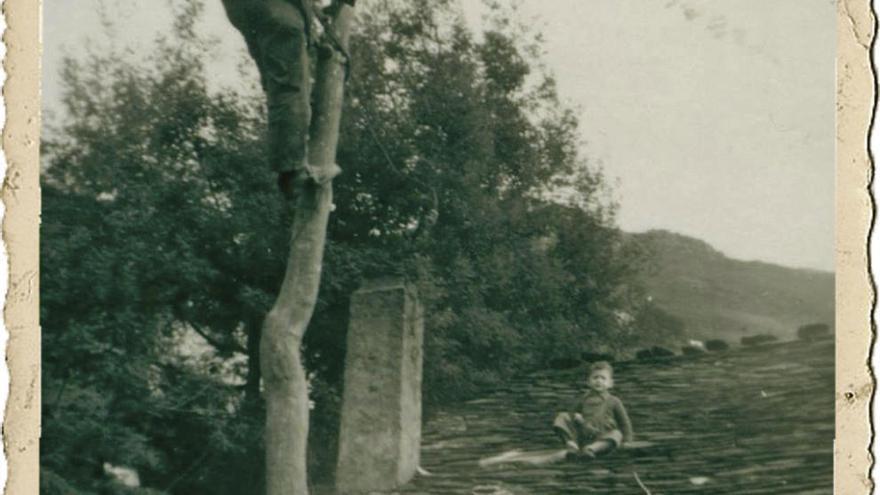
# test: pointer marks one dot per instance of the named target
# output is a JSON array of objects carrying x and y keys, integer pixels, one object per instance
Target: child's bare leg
[
  {"x": 566, "y": 430},
  {"x": 604, "y": 443},
  {"x": 598, "y": 447}
]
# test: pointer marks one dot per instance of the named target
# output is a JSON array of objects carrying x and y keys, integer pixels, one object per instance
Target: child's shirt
[{"x": 604, "y": 412}]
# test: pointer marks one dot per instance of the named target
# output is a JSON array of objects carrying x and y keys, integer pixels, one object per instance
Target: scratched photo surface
[{"x": 572, "y": 246}]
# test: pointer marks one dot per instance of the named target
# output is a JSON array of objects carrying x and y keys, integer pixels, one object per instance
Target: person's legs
[
  {"x": 285, "y": 73},
  {"x": 276, "y": 35},
  {"x": 597, "y": 447},
  {"x": 565, "y": 428},
  {"x": 603, "y": 444}
]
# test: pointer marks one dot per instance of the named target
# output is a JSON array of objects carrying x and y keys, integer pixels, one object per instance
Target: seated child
[{"x": 598, "y": 421}]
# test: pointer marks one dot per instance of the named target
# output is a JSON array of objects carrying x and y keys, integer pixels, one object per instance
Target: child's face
[{"x": 600, "y": 380}]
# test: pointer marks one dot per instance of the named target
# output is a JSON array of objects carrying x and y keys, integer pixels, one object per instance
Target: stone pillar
[{"x": 381, "y": 428}]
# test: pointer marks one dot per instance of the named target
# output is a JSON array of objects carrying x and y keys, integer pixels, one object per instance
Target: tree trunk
[{"x": 287, "y": 410}]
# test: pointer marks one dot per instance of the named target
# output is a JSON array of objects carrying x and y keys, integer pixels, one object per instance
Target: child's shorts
[{"x": 569, "y": 429}]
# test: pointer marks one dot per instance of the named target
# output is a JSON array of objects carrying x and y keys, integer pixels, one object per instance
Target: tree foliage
[{"x": 164, "y": 242}]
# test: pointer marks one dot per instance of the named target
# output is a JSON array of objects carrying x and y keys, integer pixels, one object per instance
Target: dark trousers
[{"x": 276, "y": 33}]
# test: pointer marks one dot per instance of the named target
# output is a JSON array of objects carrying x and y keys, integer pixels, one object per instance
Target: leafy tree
[
  {"x": 149, "y": 231},
  {"x": 657, "y": 327},
  {"x": 521, "y": 244}
]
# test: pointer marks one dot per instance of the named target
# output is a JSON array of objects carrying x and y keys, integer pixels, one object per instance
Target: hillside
[{"x": 720, "y": 297}]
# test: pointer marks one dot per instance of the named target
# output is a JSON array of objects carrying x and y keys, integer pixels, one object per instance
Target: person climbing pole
[{"x": 278, "y": 34}]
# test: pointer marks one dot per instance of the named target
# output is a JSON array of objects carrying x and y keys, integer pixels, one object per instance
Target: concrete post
[{"x": 380, "y": 434}]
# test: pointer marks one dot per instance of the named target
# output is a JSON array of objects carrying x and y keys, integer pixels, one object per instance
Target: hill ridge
[{"x": 722, "y": 297}]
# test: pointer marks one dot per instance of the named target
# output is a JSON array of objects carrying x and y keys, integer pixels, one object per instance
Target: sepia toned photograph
[{"x": 295, "y": 247}]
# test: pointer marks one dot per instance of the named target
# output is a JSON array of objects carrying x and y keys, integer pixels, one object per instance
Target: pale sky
[{"x": 715, "y": 118}]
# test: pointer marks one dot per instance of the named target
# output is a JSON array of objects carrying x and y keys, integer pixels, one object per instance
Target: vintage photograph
[{"x": 295, "y": 247}]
